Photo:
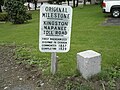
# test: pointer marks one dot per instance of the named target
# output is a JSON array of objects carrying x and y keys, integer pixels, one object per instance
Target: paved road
[{"x": 111, "y": 21}]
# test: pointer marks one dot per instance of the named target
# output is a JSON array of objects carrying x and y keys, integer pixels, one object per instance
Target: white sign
[{"x": 55, "y": 28}]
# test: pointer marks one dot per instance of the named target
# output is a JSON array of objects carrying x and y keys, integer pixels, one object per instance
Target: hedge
[{"x": 3, "y": 16}]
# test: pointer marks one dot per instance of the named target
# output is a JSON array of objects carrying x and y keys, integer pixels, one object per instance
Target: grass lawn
[{"x": 87, "y": 34}]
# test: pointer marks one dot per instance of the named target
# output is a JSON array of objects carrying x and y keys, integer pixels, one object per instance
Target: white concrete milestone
[{"x": 88, "y": 63}]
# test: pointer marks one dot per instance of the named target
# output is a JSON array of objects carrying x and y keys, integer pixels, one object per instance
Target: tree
[
  {"x": 59, "y": 2},
  {"x": 73, "y": 3},
  {"x": 29, "y": 3},
  {"x": 77, "y": 3},
  {"x": 68, "y": 2},
  {"x": 35, "y": 3},
  {"x": 16, "y": 11},
  {"x": 84, "y": 2},
  {"x": 1, "y": 3},
  {"x": 29, "y": 0}
]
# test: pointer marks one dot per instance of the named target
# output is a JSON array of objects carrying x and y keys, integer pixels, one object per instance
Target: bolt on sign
[{"x": 55, "y": 28}]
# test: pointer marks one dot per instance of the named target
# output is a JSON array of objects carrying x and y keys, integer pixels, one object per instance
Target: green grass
[
  {"x": 87, "y": 33},
  {"x": 20, "y": 34}
]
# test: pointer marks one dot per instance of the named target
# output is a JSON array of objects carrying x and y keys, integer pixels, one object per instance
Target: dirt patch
[
  {"x": 20, "y": 76},
  {"x": 12, "y": 75}
]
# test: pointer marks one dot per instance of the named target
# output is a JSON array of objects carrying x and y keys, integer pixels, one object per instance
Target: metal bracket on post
[{"x": 53, "y": 63}]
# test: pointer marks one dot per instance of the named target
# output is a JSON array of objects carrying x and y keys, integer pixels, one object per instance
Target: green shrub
[
  {"x": 3, "y": 17},
  {"x": 17, "y": 12},
  {"x": 29, "y": 16}
]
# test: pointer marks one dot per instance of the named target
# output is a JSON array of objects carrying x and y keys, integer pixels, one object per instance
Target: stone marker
[{"x": 88, "y": 63}]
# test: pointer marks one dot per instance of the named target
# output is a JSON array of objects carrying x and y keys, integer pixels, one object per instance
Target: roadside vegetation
[
  {"x": 14, "y": 11},
  {"x": 87, "y": 34}
]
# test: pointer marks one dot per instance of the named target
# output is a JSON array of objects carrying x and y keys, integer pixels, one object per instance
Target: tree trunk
[
  {"x": 0, "y": 8},
  {"x": 68, "y": 2},
  {"x": 77, "y": 3},
  {"x": 73, "y": 3},
  {"x": 35, "y": 5},
  {"x": 84, "y": 2}
]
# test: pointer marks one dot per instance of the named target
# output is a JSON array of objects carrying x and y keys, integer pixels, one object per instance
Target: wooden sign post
[
  {"x": 53, "y": 62},
  {"x": 55, "y": 30}
]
